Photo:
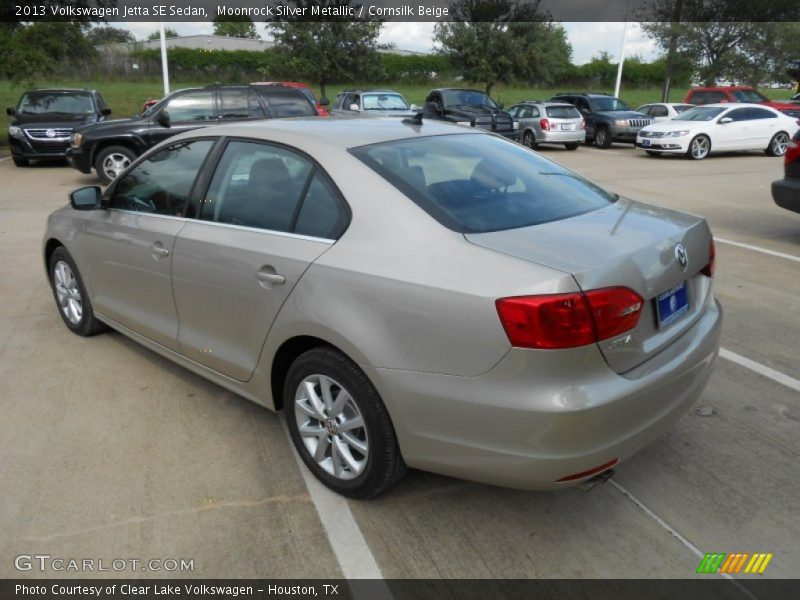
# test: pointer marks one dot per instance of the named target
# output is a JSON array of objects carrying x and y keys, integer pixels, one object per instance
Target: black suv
[
  {"x": 43, "y": 121},
  {"x": 471, "y": 108},
  {"x": 110, "y": 147},
  {"x": 608, "y": 119}
]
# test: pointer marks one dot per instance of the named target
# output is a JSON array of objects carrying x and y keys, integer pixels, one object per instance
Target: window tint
[
  {"x": 741, "y": 114},
  {"x": 562, "y": 112},
  {"x": 240, "y": 103},
  {"x": 161, "y": 184},
  {"x": 478, "y": 183},
  {"x": 645, "y": 110},
  {"x": 68, "y": 103},
  {"x": 760, "y": 113},
  {"x": 321, "y": 213},
  {"x": 288, "y": 104},
  {"x": 749, "y": 96},
  {"x": 513, "y": 111},
  {"x": 192, "y": 106},
  {"x": 659, "y": 111}
]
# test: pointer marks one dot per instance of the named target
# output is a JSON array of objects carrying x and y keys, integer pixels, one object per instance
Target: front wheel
[
  {"x": 530, "y": 140},
  {"x": 340, "y": 426},
  {"x": 778, "y": 144},
  {"x": 112, "y": 161},
  {"x": 571, "y": 146},
  {"x": 699, "y": 148},
  {"x": 602, "y": 138},
  {"x": 21, "y": 162},
  {"x": 72, "y": 300}
]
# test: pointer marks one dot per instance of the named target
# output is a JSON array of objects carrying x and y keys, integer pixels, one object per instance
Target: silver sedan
[{"x": 410, "y": 295}]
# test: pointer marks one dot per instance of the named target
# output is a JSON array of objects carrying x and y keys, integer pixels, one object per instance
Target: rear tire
[
  {"x": 602, "y": 137},
  {"x": 778, "y": 144},
  {"x": 21, "y": 162},
  {"x": 357, "y": 461},
  {"x": 573, "y": 146},
  {"x": 70, "y": 294},
  {"x": 529, "y": 140},
  {"x": 112, "y": 161}
]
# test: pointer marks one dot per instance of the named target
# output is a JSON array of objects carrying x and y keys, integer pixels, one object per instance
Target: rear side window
[
  {"x": 562, "y": 112},
  {"x": 240, "y": 103},
  {"x": 161, "y": 184},
  {"x": 477, "y": 183},
  {"x": 288, "y": 105}
]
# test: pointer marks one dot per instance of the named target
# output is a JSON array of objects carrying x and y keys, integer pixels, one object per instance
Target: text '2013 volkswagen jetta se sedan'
[{"x": 410, "y": 295}]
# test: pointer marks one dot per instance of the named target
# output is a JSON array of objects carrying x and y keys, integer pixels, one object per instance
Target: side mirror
[
  {"x": 163, "y": 118},
  {"x": 105, "y": 112},
  {"x": 433, "y": 107},
  {"x": 10, "y": 111},
  {"x": 324, "y": 101},
  {"x": 354, "y": 107},
  {"x": 413, "y": 107},
  {"x": 725, "y": 120},
  {"x": 86, "y": 198}
]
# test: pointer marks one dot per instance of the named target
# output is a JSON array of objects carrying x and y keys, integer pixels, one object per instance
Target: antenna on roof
[{"x": 415, "y": 121}]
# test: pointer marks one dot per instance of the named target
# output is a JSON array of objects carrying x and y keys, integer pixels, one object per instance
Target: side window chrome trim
[
  {"x": 146, "y": 214},
  {"x": 296, "y": 236}
]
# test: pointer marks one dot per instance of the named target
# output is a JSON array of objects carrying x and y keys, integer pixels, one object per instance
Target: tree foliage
[
  {"x": 241, "y": 27},
  {"x": 105, "y": 34},
  {"x": 168, "y": 32},
  {"x": 331, "y": 51},
  {"x": 500, "y": 41},
  {"x": 37, "y": 49}
]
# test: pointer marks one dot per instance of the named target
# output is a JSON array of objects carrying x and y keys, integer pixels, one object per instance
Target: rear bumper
[
  {"x": 562, "y": 137},
  {"x": 786, "y": 193},
  {"x": 80, "y": 158},
  {"x": 539, "y": 416}
]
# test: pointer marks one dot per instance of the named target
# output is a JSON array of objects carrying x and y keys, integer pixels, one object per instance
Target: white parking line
[
  {"x": 757, "y": 249},
  {"x": 349, "y": 546},
  {"x": 674, "y": 533},
  {"x": 6, "y": 158},
  {"x": 762, "y": 370}
]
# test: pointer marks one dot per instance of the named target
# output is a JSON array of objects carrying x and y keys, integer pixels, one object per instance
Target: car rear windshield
[
  {"x": 749, "y": 96},
  {"x": 562, "y": 112},
  {"x": 477, "y": 183},
  {"x": 66, "y": 103},
  {"x": 700, "y": 113}
]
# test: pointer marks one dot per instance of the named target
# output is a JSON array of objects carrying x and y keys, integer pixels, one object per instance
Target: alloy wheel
[
  {"x": 700, "y": 147},
  {"x": 529, "y": 140},
  {"x": 67, "y": 292},
  {"x": 114, "y": 164},
  {"x": 779, "y": 144},
  {"x": 331, "y": 426}
]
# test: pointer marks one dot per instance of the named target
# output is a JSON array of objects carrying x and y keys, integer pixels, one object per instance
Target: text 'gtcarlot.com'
[{"x": 46, "y": 562}]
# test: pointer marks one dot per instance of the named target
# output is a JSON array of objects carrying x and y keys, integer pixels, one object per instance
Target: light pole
[
  {"x": 164, "y": 66},
  {"x": 621, "y": 60}
]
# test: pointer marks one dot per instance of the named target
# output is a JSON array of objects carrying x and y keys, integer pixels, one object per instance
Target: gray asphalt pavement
[{"x": 110, "y": 451}]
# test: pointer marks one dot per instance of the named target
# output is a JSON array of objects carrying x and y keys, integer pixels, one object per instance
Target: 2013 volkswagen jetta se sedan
[{"x": 412, "y": 295}]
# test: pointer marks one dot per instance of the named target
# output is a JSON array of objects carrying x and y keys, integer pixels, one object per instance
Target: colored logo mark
[{"x": 736, "y": 562}]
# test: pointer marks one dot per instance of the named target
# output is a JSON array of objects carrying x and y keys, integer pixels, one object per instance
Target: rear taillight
[
  {"x": 792, "y": 151},
  {"x": 709, "y": 269},
  {"x": 544, "y": 124},
  {"x": 555, "y": 321},
  {"x": 583, "y": 124}
]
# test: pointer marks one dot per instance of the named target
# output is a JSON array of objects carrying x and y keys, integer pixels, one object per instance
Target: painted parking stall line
[
  {"x": 757, "y": 249},
  {"x": 762, "y": 370}
]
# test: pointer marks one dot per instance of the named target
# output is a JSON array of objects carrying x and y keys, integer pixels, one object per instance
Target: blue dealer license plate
[{"x": 672, "y": 305}]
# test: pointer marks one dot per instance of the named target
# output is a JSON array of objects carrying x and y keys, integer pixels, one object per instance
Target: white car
[
  {"x": 720, "y": 128},
  {"x": 663, "y": 111}
]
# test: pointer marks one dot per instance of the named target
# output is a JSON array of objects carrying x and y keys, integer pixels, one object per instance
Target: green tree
[
  {"x": 105, "y": 34},
  {"x": 168, "y": 32},
  {"x": 498, "y": 41},
  {"x": 327, "y": 52},
  {"x": 241, "y": 27}
]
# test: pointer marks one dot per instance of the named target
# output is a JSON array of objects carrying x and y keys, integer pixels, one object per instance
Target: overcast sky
[{"x": 587, "y": 39}]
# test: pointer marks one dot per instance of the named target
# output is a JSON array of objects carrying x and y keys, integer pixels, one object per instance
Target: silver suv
[{"x": 549, "y": 122}]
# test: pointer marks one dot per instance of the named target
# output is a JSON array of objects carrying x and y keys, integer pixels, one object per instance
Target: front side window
[
  {"x": 477, "y": 183},
  {"x": 192, "y": 106},
  {"x": 65, "y": 103},
  {"x": 272, "y": 188},
  {"x": 741, "y": 114},
  {"x": 161, "y": 184}
]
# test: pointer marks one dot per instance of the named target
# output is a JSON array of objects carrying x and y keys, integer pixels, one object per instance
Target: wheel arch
[
  {"x": 50, "y": 247},
  {"x": 130, "y": 143}
]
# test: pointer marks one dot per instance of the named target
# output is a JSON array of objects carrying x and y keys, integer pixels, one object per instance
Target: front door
[
  {"x": 187, "y": 110},
  {"x": 130, "y": 244},
  {"x": 269, "y": 212}
]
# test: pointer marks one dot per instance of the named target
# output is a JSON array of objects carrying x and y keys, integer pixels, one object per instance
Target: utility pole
[
  {"x": 164, "y": 65},
  {"x": 673, "y": 41}
]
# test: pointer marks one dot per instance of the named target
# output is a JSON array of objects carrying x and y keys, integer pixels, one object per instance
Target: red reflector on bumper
[{"x": 594, "y": 471}]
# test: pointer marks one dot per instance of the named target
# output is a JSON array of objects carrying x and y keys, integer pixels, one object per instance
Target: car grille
[
  {"x": 638, "y": 122},
  {"x": 651, "y": 134},
  {"x": 49, "y": 135}
]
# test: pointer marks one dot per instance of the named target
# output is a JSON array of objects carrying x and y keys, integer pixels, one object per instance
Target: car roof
[
  {"x": 546, "y": 102},
  {"x": 369, "y": 91},
  {"x": 588, "y": 94},
  {"x": 736, "y": 105},
  {"x": 60, "y": 90},
  {"x": 455, "y": 89},
  {"x": 314, "y": 134},
  {"x": 723, "y": 88}
]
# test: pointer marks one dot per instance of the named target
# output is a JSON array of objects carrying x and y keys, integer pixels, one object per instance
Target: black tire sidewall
[
  {"x": 694, "y": 139},
  {"x": 101, "y": 156},
  {"x": 88, "y": 324},
  {"x": 602, "y": 131},
  {"x": 382, "y": 441},
  {"x": 529, "y": 140}
]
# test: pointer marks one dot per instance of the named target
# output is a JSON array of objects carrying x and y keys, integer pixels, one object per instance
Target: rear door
[
  {"x": 129, "y": 246},
  {"x": 268, "y": 213},
  {"x": 763, "y": 125}
]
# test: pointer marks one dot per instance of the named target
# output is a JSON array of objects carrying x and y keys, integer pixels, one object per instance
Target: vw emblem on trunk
[
  {"x": 680, "y": 254},
  {"x": 50, "y": 133}
]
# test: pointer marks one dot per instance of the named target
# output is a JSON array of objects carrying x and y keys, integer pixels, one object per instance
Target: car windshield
[
  {"x": 66, "y": 103},
  {"x": 384, "y": 102},
  {"x": 749, "y": 96},
  {"x": 478, "y": 183},
  {"x": 682, "y": 108},
  {"x": 699, "y": 113},
  {"x": 467, "y": 98},
  {"x": 607, "y": 103}
]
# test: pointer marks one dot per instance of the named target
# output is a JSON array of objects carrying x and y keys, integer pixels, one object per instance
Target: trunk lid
[{"x": 624, "y": 244}]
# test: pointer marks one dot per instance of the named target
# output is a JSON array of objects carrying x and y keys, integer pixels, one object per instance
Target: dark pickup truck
[{"x": 471, "y": 108}]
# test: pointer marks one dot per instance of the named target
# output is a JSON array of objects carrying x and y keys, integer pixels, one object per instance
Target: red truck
[{"x": 738, "y": 93}]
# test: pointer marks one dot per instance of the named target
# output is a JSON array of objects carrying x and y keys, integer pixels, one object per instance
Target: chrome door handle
[
  {"x": 273, "y": 278},
  {"x": 159, "y": 251}
]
